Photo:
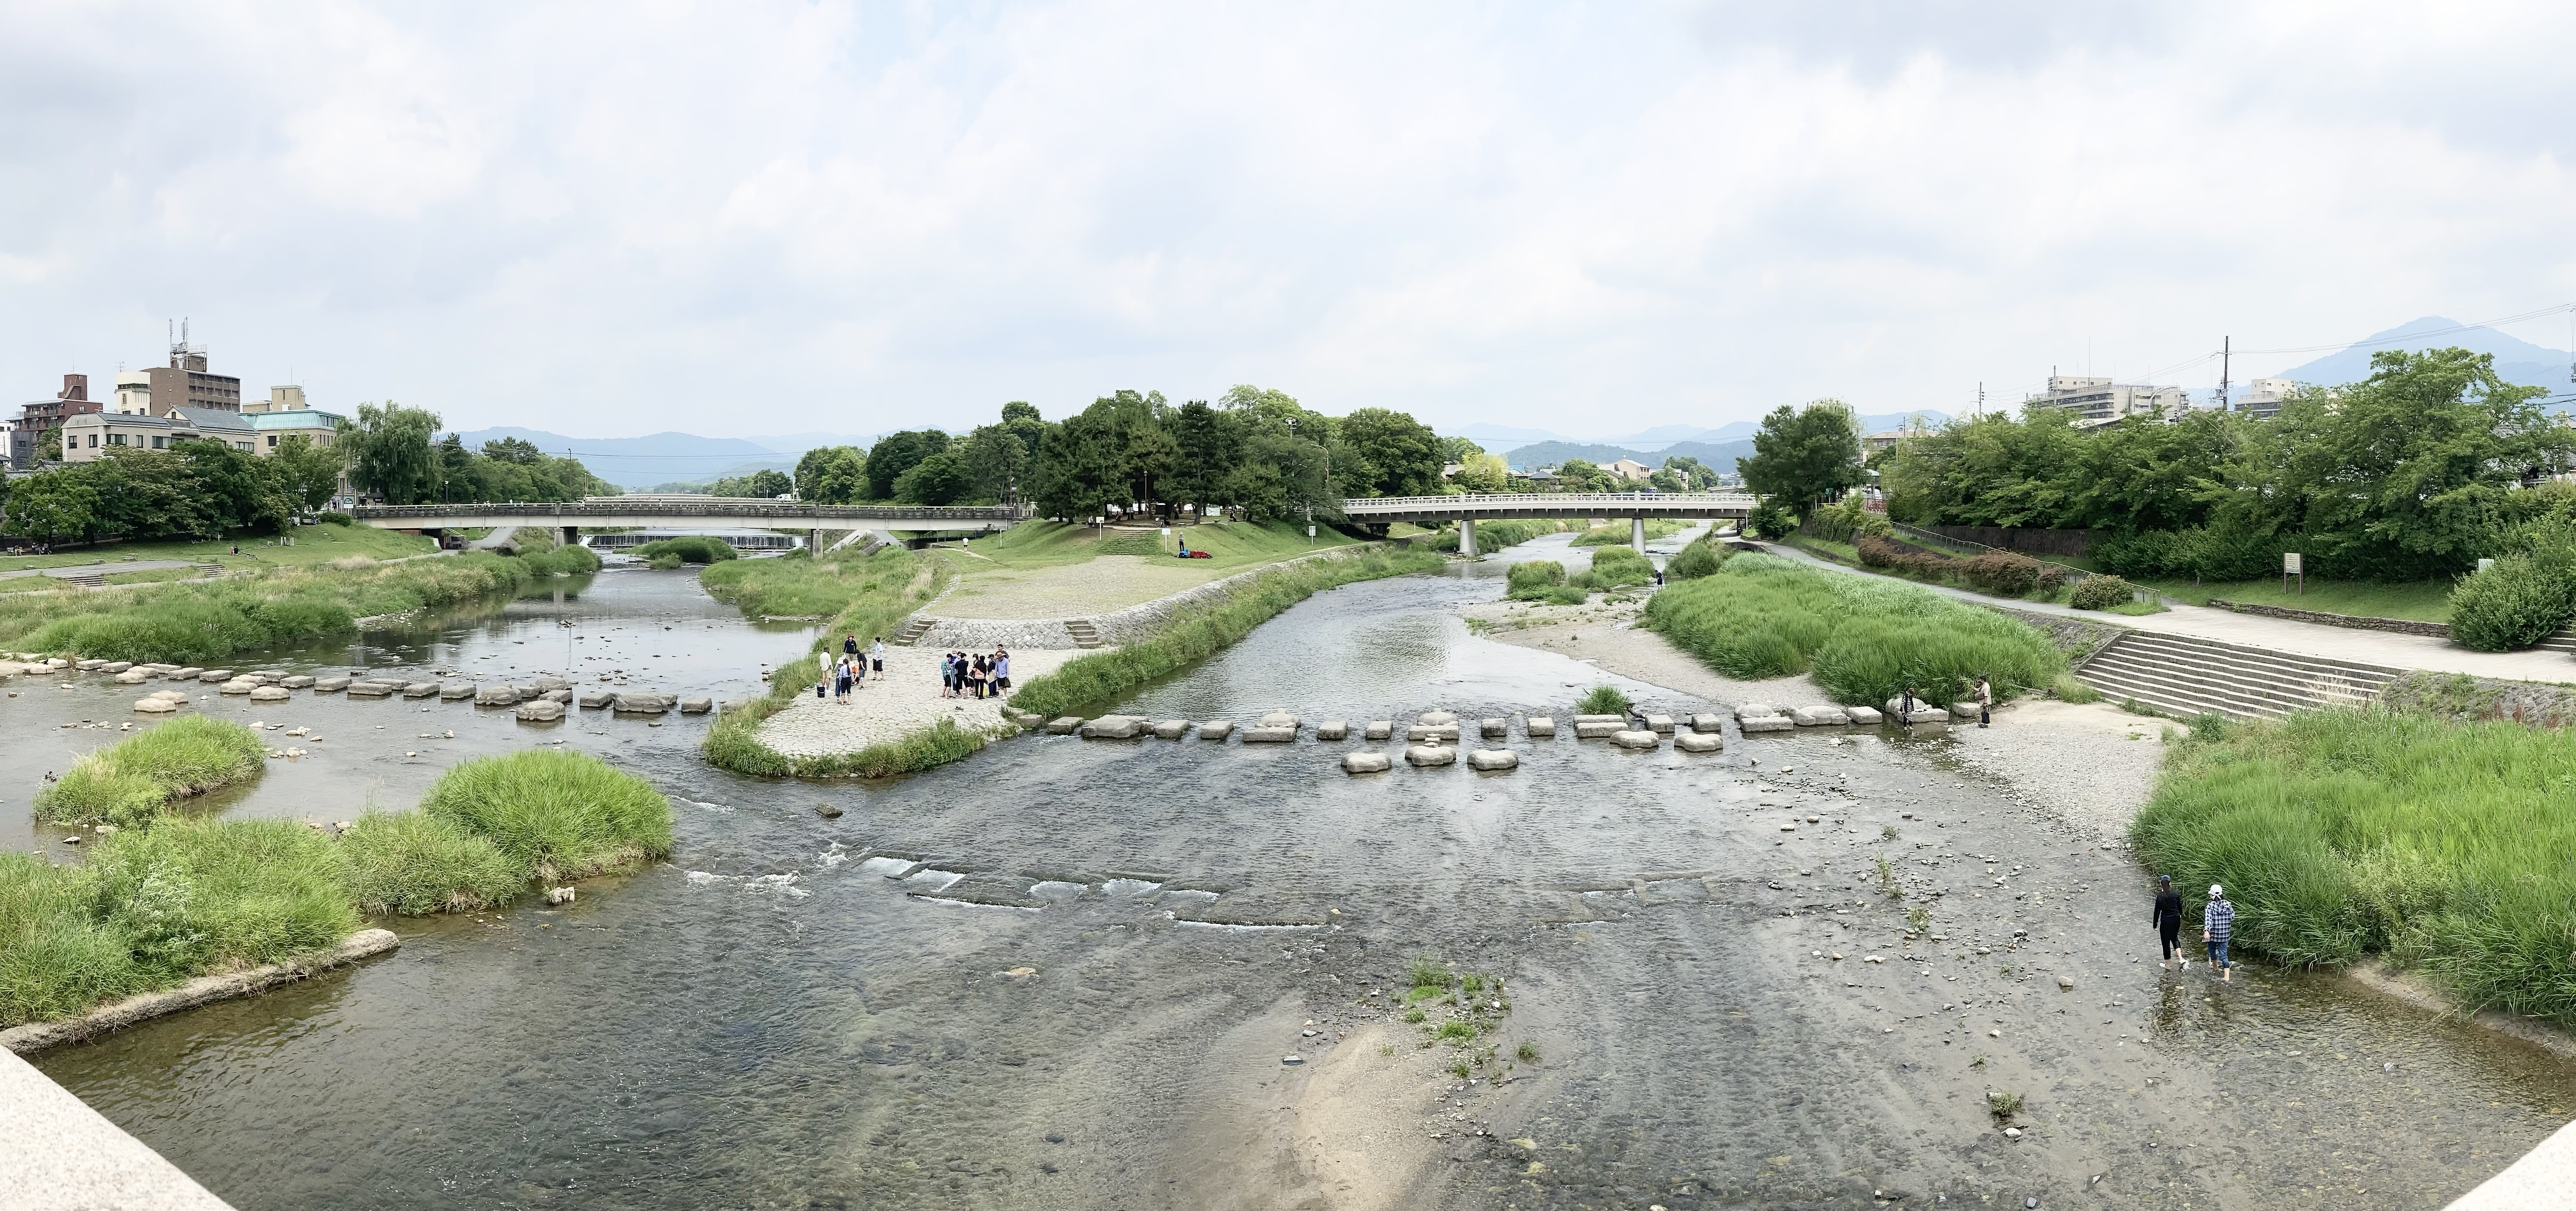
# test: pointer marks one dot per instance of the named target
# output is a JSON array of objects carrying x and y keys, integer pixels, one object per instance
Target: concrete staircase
[
  {"x": 2182, "y": 675},
  {"x": 1084, "y": 634},
  {"x": 913, "y": 628},
  {"x": 2561, "y": 640}
]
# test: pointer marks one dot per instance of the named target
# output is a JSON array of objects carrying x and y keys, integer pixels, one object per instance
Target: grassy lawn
[
  {"x": 2424, "y": 601},
  {"x": 313, "y": 544},
  {"x": 1050, "y": 544}
]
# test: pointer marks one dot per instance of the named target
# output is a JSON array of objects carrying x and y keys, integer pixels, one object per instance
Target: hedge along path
[{"x": 1761, "y": 616}]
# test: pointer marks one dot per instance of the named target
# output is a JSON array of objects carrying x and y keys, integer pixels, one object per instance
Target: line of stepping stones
[{"x": 540, "y": 701}]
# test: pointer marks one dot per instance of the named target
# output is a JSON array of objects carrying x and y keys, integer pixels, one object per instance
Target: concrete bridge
[
  {"x": 628, "y": 512},
  {"x": 1635, "y": 506}
]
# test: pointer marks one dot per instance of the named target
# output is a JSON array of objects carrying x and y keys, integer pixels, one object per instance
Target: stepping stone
[
  {"x": 155, "y": 706},
  {"x": 1599, "y": 731},
  {"x": 330, "y": 685},
  {"x": 1660, "y": 724},
  {"x": 565, "y": 697},
  {"x": 1709, "y": 722},
  {"x": 1767, "y": 723},
  {"x": 456, "y": 691},
  {"x": 1335, "y": 730},
  {"x": 89, "y": 666},
  {"x": 1495, "y": 729},
  {"x": 1365, "y": 763},
  {"x": 1580, "y": 720},
  {"x": 552, "y": 683},
  {"x": 1699, "y": 742},
  {"x": 1172, "y": 729},
  {"x": 1542, "y": 727},
  {"x": 1216, "y": 729},
  {"x": 594, "y": 699},
  {"x": 238, "y": 685},
  {"x": 1270, "y": 735},
  {"x": 1635, "y": 738},
  {"x": 1063, "y": 726},
  {"x": 116, "y": 666},
  {"x": 1864, "y": 714},
  {"x": 188, "y": 673},
  {"x": 490, "y": 695},
  {"x": 1381, "y": 729},
  {"x": 1755, "y": 710},
  {"x": 268, "y": 693},
  {"x": 297, "y": 682},
  {"x": 371, "y": 689},
  {"x": 688, "y": 706},
  {"x": 540, "y": 711},
  {"x": 1493, "y": 759},
  {"x": 1820, "y": 716},
  {"x": 215, "y": 676},
  {"x": 1431, "y": 754},
  {"x": 1436, "y": 718},
  {"x": 1923, "y": 713},
  {"x": 1113, "y": 727},
  {"x": 639, "y": 702},
  {"x": 131, "y": 677},
  {"x": 1430, "y": 732},
  {"x": 1280, "y": 719},
  {"x": 420, "y": 689}
]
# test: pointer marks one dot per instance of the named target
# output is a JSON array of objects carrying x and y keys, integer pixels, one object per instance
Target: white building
[
  {"x": 2099, "y": 401},
  {"x": 1630, "y": 469},
  {"x": 2263, "y": 396}
]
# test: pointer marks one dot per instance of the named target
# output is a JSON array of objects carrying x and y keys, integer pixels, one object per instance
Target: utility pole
[
  {"x": 2225, "y": 346},
  {"x": 1981, "y": 397}
]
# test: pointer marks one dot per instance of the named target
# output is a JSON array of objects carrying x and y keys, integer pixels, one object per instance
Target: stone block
[
  {"x": 1699, "y": 742},
  {"x": 330, "y": 685},
  {"x": 1437, "y": 718},
  {"x": 565, "y": 697},
  {"x": 370, "y": 689},
  {"x": 268, "y": 693},
  {"x": 1924, "y": 712},
  {"x": 1365, "y": 763},
  {"x": 688, "y": 706},
  {"x": 1431, "y": 754},
  {"x": 496, "y": 695},
  {"x": 1270, "y": 735},
  {"x": 155, "y": 706},
  {"x": 88, "y": 666},
  {"x": 540, "y": 711},
  {"x": 1637, "y": 738},
  {"x": 1216, "y": 729},
  {"x": 188, "y": 673},
  {"x": 1280, "y": 719},
  {"x": 1431, "y": 733},
  {"x": 456, "y": 691},
  {"x": 1580, "y": 720},
  {"x": 1660, "y": 724},
  {"x": 238, "y": 685},
  {"x": 1754, "y": 710},
  {"x": 215, "y": 676},
  {"x": 1820, "y": 716},
  {"x": 131, "y": 677},
  {"x": 1599, "y": 731},
  {"x": 299, "y": 681},
  {"x": 1864, "y": 714},
  {"x": 1064, "y": 725},
  {"x": 1541, "y": 727},
  {"x": 1708, "y": 721},
  {"x": 1333, "y": 730},
  {"x": 116, "y": 666},
  {"x": 1766, "y": 723},
  {"x": 1114, "y": 727},
  {"x": 1172, "y": 729},
  {"x": 594, "y": 699},
  {"x": 551, "y": 682},
  {"x": 420, "y": 689},
  {"x": 1381, "y": 729},
  {"x": 639, "y": 702},
  {"x": 1493, "y": 759},
  {"x": 1494, "y": 729}
]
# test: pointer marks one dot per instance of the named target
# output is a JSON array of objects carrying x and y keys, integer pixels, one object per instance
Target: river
[{"x": 1087, "y": 995}]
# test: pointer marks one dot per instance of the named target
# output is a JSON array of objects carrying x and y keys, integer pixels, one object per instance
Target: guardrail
[{"x": 665, "y": 507}]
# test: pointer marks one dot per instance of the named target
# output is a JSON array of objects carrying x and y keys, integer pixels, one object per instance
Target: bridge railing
[
  {"x": 1362, "y": 505},
  {"x": 604, "y": 506}
]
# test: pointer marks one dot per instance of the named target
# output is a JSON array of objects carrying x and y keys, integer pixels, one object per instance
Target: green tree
[
  {"x": 238, "y": 490},
  {"x": 513, "y": 450},
  {"x": 1805, "y": 455},
  {"x": 1397, "y": 455},
  {"x": 1580, "y": 475},
  {"x": 53, "y": 506},
  {"x": 832, "y": 475},
  {"x": 1211, "y": 444},
  {"x": 390, "y": 452},
  {"x": 896, "y": 453},
  {"x": 309, "y": 474},
  {"x": 996, "y": 460},
  {"x": 941, "y": 479},
  {"x": 763, "y": 485}
]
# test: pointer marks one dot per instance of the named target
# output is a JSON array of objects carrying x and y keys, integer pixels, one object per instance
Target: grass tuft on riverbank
[
  {"x": 1492, "y": 536},
  {"x": 1618, "y": 533},
  {"x": 1088, "y": 680},
  {"x": 555, "y": 815},
  {"x": 414, "y": 864},
  {"x": 2343, "y": 834},
  {"x": 130, "y": 782},
  {"x": 690, "y": 548},
  {"x": 1762, "y": 616},
  {"x": 156, "y": 906}
]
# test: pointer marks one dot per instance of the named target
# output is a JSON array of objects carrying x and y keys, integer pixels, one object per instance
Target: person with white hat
[{"x": 2217, "y": 923}]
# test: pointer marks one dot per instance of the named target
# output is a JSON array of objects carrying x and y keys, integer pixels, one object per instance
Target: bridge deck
[{"x": 1551, "y": 504}]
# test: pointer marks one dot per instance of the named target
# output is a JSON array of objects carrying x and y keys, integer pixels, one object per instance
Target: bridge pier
[
  {"x": 1467, "y": 537},
  {"x": 1637, "y": 533},
  {"x": 571, "y": 536}
]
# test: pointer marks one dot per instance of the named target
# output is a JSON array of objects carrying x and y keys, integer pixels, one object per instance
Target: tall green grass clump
[
  {"x": 794, "y": 587},
  {"x": 130, "y": 782},
  {"x": 1532, "y": 579},
  {"x": 691, "y": 548},
  {"x": 156, "y": 906},
  {"x": 1086, "y": 680},
  {"x": 1618, "y": 533},
  {"x": 1616, "y": 567},
  {"x": 554, "y": 814},
  {"x": 2342, "y": 834},
  {"x": 1761, "y": 616},
  {"x": 569, "y": 560},
  {"x": 414, "y": 864},
  {"x": 1700, "y": 558},
  {"x": 1602, "y": 700},
  {"x": 197, "y": 622},
  {"x": 1493, "y": 536}
]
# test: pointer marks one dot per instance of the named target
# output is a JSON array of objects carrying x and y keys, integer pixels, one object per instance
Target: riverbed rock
[
  {"x": 420, "y": 689},
  {"x": 1270, "y": 735},
  {"x": 688, "y": 706},
  {"x": 131, "y": 677},
  {"x": 299, "y": 681},
  {"x": 1494, "y": 729},
  {"x": 155, "y": 706},
  {"x": 828, "y": 811},
  {"x": 540, "y": 711},
  {"x": 1820, "y": 716},
  {"x": 1700, "y": 742},
  {"x": 1333, "y": 729},
  {"x": 1430, "y": 754},
  {"x": 1063, "y": 726},
  {"x": 1172, "y": 729},
  {"x": 1599, "y": 731},
  {"x": 1436, "y": 718},
  {"x": 641, "y": 702},
  {"x": 1280, "y": 719},
  {"x": 1113, "y": 727},
  {"x": 594, "y": 699},
  {"x": 330, "y": 685},
  {"x": 1636, "y": 738},
  {"x": 1431, "y": 733},
  {"x": 215, "y": 676},
  {"x": 490, "y": 695},
  {"x": 1708, "y": 721},
  {"x": 1660, "y": 724},
  {"x": 269, "y": 693},
  {"x": 1541, "y": 727},
  {"x": 1216, "y": 729},
  {"x": 1365, "y": 763},
  {"x": 1923, "y": 713},
  {"x": 1380, "y": 729},
  {"x": 1493, "y": 759},
  {"x": 1766, "y": 723}
]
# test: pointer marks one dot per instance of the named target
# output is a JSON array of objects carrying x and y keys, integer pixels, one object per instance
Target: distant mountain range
[
  {"x": 1718, "y": 448},
  {"x": 2517, "y": 360}
]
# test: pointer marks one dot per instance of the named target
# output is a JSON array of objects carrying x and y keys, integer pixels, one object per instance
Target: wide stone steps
[
  {"x": 913, "y": 628},
  {"x": 2186, "y": 675},
  {"x": 1084, "y": 634},
  {"x": 2561, "y": 640}
]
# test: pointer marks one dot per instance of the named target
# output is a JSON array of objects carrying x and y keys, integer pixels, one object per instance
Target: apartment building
[
  {"x": 2097, "y": 401},
  {"x": 2263, "y": 396}
]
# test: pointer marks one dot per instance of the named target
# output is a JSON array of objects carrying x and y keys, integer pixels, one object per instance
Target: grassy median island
[
  {"x": 2342, "y": 834},
  {"x": 1762, "y": 616},
  {"x": 867, "y": 596},
  {"x": 1087, "y": 680},
  {"x": 195, "y": 622},
  {"x": 130, "y": 782}
]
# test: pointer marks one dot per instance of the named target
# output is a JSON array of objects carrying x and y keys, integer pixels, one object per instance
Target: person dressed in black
[{"x": 2169, "y": 922}]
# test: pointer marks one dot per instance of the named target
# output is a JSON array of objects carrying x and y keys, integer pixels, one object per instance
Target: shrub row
[{"x": 1700, "y": 558}]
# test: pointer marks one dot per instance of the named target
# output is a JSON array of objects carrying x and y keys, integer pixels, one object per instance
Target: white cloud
[{"x": 768, "y": 216}]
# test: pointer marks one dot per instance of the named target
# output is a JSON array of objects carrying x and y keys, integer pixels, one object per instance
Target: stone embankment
[
  {"x": 269, "y": 685},
  {"x": 36, "y": 1036}
]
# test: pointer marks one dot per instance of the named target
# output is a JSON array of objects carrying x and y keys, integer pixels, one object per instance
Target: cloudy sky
[{"x": 762, "y": 217}]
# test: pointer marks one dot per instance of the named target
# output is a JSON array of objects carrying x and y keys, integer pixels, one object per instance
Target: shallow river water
[{"x": 1086, "y": 996}]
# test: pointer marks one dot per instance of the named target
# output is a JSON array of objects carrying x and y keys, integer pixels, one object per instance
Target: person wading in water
[
  {"x": 2217, "y": 924},
  {"x": 2168, "y": 919}
]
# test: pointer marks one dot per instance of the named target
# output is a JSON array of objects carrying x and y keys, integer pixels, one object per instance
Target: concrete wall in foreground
[
  {"x": 2544, "y": 1178},
  {"x": 57, "y": 1154}
]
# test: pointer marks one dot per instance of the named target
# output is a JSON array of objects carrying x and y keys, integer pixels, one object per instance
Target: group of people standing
[
  {"x": 852, "y": 669},
  {"x": 960, "y": 675},
  {"x": 965, "y": 676},
  {"x": 2217, "y": 925}
]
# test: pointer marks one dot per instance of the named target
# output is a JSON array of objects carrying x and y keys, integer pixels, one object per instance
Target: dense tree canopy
[
  {"x": 194, "y": 489},
  {"x": 390, "y": 452},
  {"x": 1803, "y": 456},
  {"x": 896, "y": 453}
]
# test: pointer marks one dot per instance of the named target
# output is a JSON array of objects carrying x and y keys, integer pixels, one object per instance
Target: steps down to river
[
  {"x": 1084, "y": 634},
  {"x": 2561, "y": 640},
  {"x": 2185, "y": 675},
  {"x": 913, "y": 628}
]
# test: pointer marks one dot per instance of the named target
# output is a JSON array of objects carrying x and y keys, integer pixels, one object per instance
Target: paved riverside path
[
  {"x": 99, "y": 569},
  {"x": 2280, "y": 634}
]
